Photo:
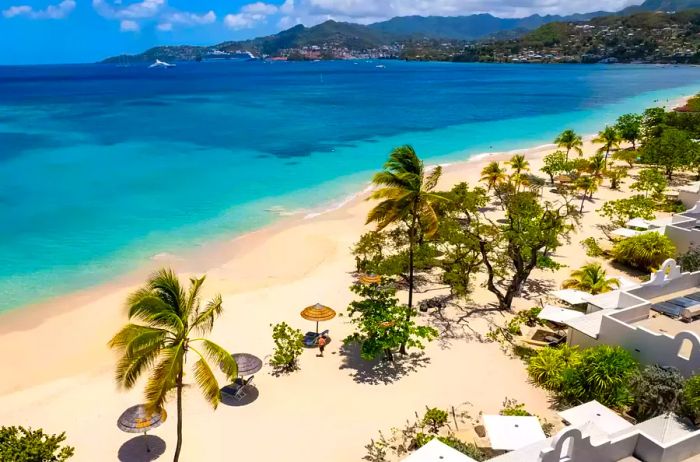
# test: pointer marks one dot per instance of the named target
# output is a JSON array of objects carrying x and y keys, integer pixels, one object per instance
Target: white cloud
[
  {"x": 189, "y": 19},
  {"x": 138, "y": 10},
  {"x": 250, "y": 15},
  {"x": 165, "y": 26},
  {"x": 58, "y": 11},
  {"x": 127, "y": 25}
]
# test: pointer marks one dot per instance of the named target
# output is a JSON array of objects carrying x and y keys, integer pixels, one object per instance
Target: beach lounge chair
[
  {"x": 311, "y": 338},
  {"x": 243, "y": 388}
]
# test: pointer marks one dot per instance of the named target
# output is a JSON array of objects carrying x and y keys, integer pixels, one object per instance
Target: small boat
[
  {"x": 160, "y": 63},
  {"x": 380, "y": 66}
]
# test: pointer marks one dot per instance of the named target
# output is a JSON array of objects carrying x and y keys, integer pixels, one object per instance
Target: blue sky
[{"x": 63, "y": 31}]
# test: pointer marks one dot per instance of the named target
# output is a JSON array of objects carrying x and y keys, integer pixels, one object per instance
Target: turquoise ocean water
[{"x": 103, "y": 167}]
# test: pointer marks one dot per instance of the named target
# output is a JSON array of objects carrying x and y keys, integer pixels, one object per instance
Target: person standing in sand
[{"x": 321, "y": 344}]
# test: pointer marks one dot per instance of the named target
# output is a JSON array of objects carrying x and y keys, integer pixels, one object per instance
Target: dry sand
[{"x": 58, "y": 370}]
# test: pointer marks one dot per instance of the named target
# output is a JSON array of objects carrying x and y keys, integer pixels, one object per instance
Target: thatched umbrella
[
  {"x": 248, "y": 364},
  {"x": 317, "y": 313},
  {"x": 137, "y": 419},
  {"x": 368, "y": 279}
]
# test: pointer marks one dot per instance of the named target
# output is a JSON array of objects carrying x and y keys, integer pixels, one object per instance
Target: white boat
[
  {"x": 160, "y": 63},
  {"x": 380, "y": 66}
]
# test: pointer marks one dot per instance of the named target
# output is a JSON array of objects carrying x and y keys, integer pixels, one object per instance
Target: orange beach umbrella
[
  {"x": 368, "y": 279},
  {"x": 318, "y": 313}
]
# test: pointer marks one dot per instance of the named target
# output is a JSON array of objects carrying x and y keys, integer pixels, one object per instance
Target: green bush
[
  {"x": 435, "y": 419},
  {"x": 527, "y": 317},
  {"x": 656, "y": 390},
  {"x": 576, "y": 376},
  {"x": 547, "y": 365},
  {"x": 592, "y": 247},
  {"x": 19, "y": 444},
  {"x": 467, "y": 449},
  {"x": 691, "y": 397},
  {"x": 646, "y": 251},
  {"x": 289, "y": 345},
  {"x": 513, "y": 408},
  {"x": 690, "y": 261}
]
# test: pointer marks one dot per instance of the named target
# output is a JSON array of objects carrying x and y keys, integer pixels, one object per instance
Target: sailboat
[{"x": 160, "y": 63}]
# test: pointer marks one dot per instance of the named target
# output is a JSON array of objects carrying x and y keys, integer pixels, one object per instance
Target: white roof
[
  {"x": 639, "y": 223},
  {"x": 512, "y": 432},
  {"x": 571, "y": 296},
  {"x": 436, "y": 451},
  {"x": 624, "y": 232},
  {"x": 558, "y": 314},
  {"x": 626, "y": 284},
  {"x": 594, "y": 412},
  {"x": 590, "y": 323}
]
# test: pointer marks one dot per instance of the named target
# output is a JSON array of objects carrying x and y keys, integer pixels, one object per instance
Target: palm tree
[
  {"x": 569, "y": 139},
  {"x": 519, "y": 165},
  {"x": 164, "y": 319},
  {"x": 588, "y": 185},
  {"x": 596, "y": 165},
  {"x": 405, "y": 191},
  {"x": 493, "y": 175},
  {"x": 591, "y": 278},
  {"x": 609, "y": 137}
]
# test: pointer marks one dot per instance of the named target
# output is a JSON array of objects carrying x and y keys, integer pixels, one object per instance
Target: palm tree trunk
[
  {"x": 178, "y": 446},
  {"x": 411, "y": 241},
  {"x": 580, "y": 210},
  {"x": 567, "y": 154}
]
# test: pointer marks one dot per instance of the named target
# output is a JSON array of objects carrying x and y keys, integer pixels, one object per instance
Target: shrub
[
  {"x": 690, "y": 261},
  {"x": 527, "y": 317},
  {"x": 435, "y": 419},
  {"x": 19, "y": 444},
  {"x": 592, "y": 247},
  {"x": 691, "y": 397},
  {"x": 646, "y": 251},
  {"x": 621, "y": 211},
  {"x": 468, "y": 449},
  {"x": 289, "y": 344},
  {"x": 603, "y": 374},
  {"x": 512, "y": 407},
  {"x": 656, "y": 390},
  {"x": 547, "y": 366}
]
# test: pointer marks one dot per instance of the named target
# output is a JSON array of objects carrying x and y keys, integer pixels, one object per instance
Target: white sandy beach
[{"x": 59, "y": 371}]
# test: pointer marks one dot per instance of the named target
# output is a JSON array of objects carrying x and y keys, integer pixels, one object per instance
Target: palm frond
[
  {"x": 206, "y": 381},
  {"x": 149, "y": 308},
  {"x": 163, "y": 378},
  {"x": 204, "y": 322},
  {"x": 166, "y": 284},
  {"x": 432, "y": 180},
  {"x": 218, "y": 355},
  {"x": 192, "y": 300}
]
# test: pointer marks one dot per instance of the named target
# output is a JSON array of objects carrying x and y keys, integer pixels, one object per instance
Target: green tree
[
  {"x": 493, "y": 175},
  {"x": 591, "y": 278},
  {"x": 645, "y": 251},
  {"x": 164, "y": 319},
  {"x": 370, "y": 251},
  {"x": 621, "y": 211},
  {"x": 587, "y": 185},
  {"x": 381, "y": 324},
  {"x": 651, "y": 181},
  {"x": 289, "y": 345},
  {"x": 520, "y": 166},
  {"x": 19, "y": 444},
  {"x": 615, "y": 175},
  {"x": 629, "y": 126},
  {"x": 554, "y": 164},
  {"x": 671, "y": 151},
  {"x": 690, "y": 261},
  {"x": 609, "y": 138},
  {"x": 656, "y": 390},
  {"x": 652, "y": 119},
  {"x": 434, "y": 419},
  {"x": 405, "y": 190},
  {"x": 513, "y": 247},
  {"x": 625, "y": 155},
  {"x": 568, "y": 139},
  {"x": 546, "y": 368},
  {"x": 596, "y": 165}
]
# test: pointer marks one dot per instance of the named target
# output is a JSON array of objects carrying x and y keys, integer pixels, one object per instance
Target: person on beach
[{"x": 321, "y": 344}]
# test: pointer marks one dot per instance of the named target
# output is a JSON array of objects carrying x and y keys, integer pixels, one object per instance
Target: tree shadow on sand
[
  {"x": 380, "y": 372},
  {"x": 135, "y": 450},
  {"x": 452, "y": 322}
]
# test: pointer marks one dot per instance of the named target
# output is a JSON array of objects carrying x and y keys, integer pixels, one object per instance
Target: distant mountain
[{"x": 356, "y": 37}]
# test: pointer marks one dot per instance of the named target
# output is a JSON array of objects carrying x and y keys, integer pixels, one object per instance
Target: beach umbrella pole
[
  {"x": 145, "y": 439},
  {"x": 316, "y": 327}
]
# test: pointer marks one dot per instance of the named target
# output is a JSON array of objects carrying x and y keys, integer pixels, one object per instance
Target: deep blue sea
[{"x": 103, "y": 167}]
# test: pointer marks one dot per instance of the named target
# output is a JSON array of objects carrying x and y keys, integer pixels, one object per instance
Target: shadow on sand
[
  {"x": 134, "y": 450},
  {"x": 227, "y": 398},
  {"x": 380, "y": 371}
]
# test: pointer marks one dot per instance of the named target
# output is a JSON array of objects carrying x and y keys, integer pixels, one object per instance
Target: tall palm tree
[
  {"x": 587, "y": 185},
  {"x": 569, "y": 139},
  {"x": 609, "y": 137},
  {"x": 519, "y": 165},
  {"x": 166, "y": 322},
  {"x": 405, "y": 190},
  {"x": 596, "y": 165},
  {"x": 493, "y": 175},
  {"x": 591, "y": 278}
]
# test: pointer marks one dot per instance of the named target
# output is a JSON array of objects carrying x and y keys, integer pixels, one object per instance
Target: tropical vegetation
[
  {"x": 591, "y": 278},
  {"x": 569, "y": 139},
  {"x": 20, "y": 444},
  {"x": 166, "y": 322},
  {"x": 289, "y": 345},
  {"x": 645, "y": 251}
]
